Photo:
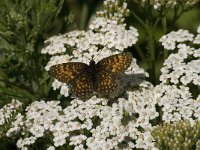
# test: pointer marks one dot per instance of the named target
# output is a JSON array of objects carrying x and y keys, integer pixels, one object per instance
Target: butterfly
[{"x": 96, "y": 78}]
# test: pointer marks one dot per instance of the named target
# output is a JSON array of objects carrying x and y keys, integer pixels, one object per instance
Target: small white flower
[
  {"x": 64, "y": 90},
  {"x": 77, "y": 140},
  {"x": 79, "y": 147},
  {"x": 59, "y": 141},
  {"x": 51, "y": 148}
]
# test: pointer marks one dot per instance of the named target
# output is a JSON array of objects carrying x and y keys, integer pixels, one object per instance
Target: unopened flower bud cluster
[
  {"x": 114, "y": 10},
  {"x": 179, "y": 135},
  {"x": 158, "y": 4}
]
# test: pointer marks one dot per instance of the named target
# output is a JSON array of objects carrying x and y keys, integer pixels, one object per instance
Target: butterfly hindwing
[
  {"x": 105, "y": 83},
  {"x": 115, "y": 64},
  {"x": 66, "y": 72},
  {"x": 82, "y": 86}
]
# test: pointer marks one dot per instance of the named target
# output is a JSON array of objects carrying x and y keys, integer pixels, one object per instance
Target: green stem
[
  {"x": 156, "y": 23},
  {"x": 84, "y": 16},
  {"x": 152, "y": 54},
  {"x": 178, "y": 11},
  {"x": 138, "y": 19},
  {"x": 140, "y": 53},
  {"x": 177, "y": 14},
  {"x": 164, "y": 25}
]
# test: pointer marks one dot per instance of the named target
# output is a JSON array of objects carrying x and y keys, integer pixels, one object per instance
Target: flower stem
[
  {"x": 152, "y": 54},
  {"x": 138, "y": 19},
  {"x": 84, "y": 16},
  {"x": 164, "y": 24},
  {"x": 140, "y": 53}
]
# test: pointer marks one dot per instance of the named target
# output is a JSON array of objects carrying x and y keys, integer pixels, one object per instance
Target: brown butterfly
[{"x": 86, "y": 80}]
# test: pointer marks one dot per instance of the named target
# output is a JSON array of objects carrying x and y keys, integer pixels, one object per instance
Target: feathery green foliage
[{"x": 24, "y": 25}]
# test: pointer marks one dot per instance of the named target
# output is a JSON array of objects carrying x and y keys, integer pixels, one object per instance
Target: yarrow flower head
[
  {"x": 179, "y": 76},
  {"x": 7, "y": 111},
  {"x": 177, "y": 103},
  {"x": 107, "y": 35},
  {"x": 183, "y": 66},
  {"x": 66, "y": 124},
  {"x": 107, "y": 124},
  {"x": 38, "y": 118},
  {"x": 169, "y": 41}
]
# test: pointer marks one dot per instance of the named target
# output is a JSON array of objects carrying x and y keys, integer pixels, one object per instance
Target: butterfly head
[{"x": 92, "y": 65}]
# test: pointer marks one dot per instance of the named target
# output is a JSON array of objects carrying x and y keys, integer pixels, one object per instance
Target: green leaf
[
  {"x": 5, "y": 44},
  {"x": 16, "y": 92}
]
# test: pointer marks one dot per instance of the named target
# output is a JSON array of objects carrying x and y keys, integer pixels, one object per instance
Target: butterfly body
[
  {"x": 95, "y": 78},
  {"x": 92, "y": 71}
]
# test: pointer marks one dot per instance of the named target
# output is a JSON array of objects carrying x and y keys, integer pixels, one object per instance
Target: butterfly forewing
[
  {"x": 115, "y": 64},
  {"x": 105, "y": 83},
  {"x": 82, "y": 86},
  {"x": 67, "y": 72}
]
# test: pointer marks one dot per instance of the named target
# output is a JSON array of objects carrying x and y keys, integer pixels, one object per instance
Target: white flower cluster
[
  {"x": 56, "y": 45},
  {"x": 38, "y": 119},
  {"x": 197, "y": 38},
  {"x": 157, "y": 4},
  {"x": 183, "y": 71},
  {"x": 113, "y": 123},
  {"x": 16, "y": 125},
  {"x": 108, "y": 131},
  {"x": 183, "y": 66},
  {"x": 170, "y": 40},
  {"x": 107, "y": 124},
  {"x": 8, "y": 111},
  {"x": 177, "y": 103},
  {"x": 106, "y": 36},
  {"x": 178, "y": 68}
]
